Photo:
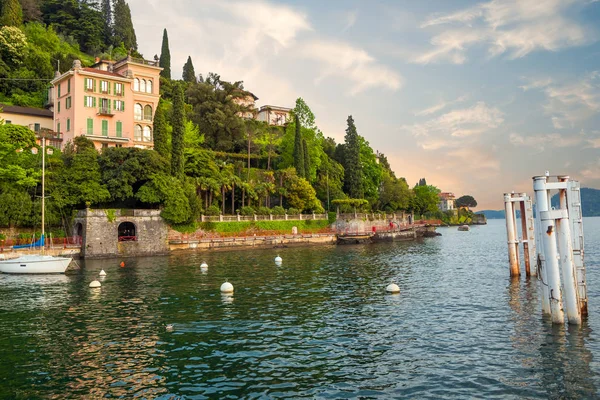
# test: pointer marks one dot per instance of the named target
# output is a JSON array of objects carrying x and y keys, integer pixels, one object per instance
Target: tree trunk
[
  {"x": 223, "y": 199},
  {"x": 243, "y": 197},
  {"x": 233, "y": 199}
]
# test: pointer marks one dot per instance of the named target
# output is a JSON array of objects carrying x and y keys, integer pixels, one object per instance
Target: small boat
[
  {"x": 37, "y": 263},
  {"x": 463, "y": 228}
]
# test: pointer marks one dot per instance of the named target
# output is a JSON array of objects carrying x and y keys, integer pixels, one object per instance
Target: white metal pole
[
  {"x": 510, "y": 236},
  {"x": 563, "y": 228},
  {"x": 550, "y": 253},
  {"x": 543, "y": 276}
]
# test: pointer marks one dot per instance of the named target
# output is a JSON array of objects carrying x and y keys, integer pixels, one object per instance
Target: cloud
[
  {"x": 516, "y": 27},
  {"x": 541, "y": 141},
  {"x": 449, "y": 129},
  {"x": 351, "y": 63},
  {"x": 440, "y": 106},
  {"x": 350, "y": 19},
  {"x": 571, "y": 102}
]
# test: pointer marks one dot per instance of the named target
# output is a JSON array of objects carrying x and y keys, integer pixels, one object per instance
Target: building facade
[
  {"x": 110, "y": 103},
  {"x": 446, "y": 201},
  {"x": 274, "y": 115},
  {"x": 39, "y": 120},
  {"x": 247, "y": 101}
]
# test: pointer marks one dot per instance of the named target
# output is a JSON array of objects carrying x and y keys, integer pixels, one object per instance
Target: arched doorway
[
  {"x": 127, "y": 232},
  {"x": 78, "y": 233}
]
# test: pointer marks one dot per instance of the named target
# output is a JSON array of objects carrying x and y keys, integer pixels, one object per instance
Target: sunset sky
[{"x": 477, "y": 97}]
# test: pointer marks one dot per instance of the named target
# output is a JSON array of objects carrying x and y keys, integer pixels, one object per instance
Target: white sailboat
[{"x": 37, "y": 263}]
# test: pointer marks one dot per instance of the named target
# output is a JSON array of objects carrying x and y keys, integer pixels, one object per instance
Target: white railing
[{"x": 255, "y": 217}]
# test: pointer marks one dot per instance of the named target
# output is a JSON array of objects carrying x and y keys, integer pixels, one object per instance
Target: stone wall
[
  {"x": 350, "y": 223},
  {"x": 100, "y": 233}
]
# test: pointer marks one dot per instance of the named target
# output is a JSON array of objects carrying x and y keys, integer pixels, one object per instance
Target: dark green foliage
[
  {"x": 178, "y": 123},
  {"x": 299, "y": 150},
  {"x": 466, "y": 201},
  {"x": 107, "y": 21},
  {"x": 352, "y": 163},
  {"x": 422, "y": 182},
  {"x": 123, "y": 26},
  {"x": 188, "y": 71},
  {"x": 161, "y": 139},
  {"x": 306, "y": 160},
  {"x": 425, "y": 199},
  {"x": 11, "y": 13},
  {"x": 165, "y": 56},
  {"x": 31, "y": 11}
]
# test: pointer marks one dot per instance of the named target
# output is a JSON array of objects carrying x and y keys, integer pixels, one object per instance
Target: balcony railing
[{"x": 105, "y": 111}]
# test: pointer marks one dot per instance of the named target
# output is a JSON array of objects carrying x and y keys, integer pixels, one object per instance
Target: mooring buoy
[
  {"x": 392, "y": 288},
  {"x": 102, "y": 273},
  {"x": 278, "y": 260},
  {"x": 226, "y": 287},
  {"x": 95, "y": 284}
]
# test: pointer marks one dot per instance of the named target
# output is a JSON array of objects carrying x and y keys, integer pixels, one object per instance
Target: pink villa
[{"x": 111, "y": 103}]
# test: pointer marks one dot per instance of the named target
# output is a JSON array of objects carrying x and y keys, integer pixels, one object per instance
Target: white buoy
[
  {"x": 278, "y": 260},
  {"x": 169, "y": 327},
  {"x": 102, "y": 273},
  {"x": 204, "y": 265},
  {"x": 227, "y": 288},
  {"x": 95, "y": 284},
  {"x": 392, "y": 288}
]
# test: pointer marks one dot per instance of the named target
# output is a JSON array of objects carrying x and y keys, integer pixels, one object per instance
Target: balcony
[{"x": 105, "y": 111}]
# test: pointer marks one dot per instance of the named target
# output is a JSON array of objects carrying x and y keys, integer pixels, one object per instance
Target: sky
[{"x": 475, "y": 96}]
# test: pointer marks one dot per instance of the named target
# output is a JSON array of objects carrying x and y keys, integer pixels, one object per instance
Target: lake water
[{"x": 319, "y": 326}]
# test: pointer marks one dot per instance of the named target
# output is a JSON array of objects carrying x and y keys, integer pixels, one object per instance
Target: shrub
[
  {"x": 278, "y": 210},
  {"x": 331, "y": 217},
  {"x": 213, "y": 210},
  {"x": 293, "y": 211},
  {"x": 247, "y": 210},
  {"x": 263, "y": 211}
]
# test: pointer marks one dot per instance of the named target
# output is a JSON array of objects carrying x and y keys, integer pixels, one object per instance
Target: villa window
[
  {"x": 90, "y": 126},
  {"x": 89, "y": 101},
  {"x": 68, "y": 102},
  {"x": 89, "y": 84},
  {"x": 119, "y": 105},
  {"x": 147, "y": 134},
  {"x": 148, "y": 113},
  {"x": 137, "y": 133},
  {"x": 59, "y": 90},
  {"x": 69, "y": 86},
  {"x": 137, "y": 112},
  {"x": 104, "y": 127},
  {"x": 119, "y": 89},
  {"x": 68, "y": 124},
  {"x": 149, "y": 86},
  {"x": 119, "y": 129},
  {"x": 136, "y": 85},
  {"x": 104, "y": 86},
  {"x": 143, "y": 85}
]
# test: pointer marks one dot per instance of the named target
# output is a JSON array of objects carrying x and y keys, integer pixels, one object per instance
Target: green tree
[
  {"x": 165, "y": 56},
  {"x": 123, "y": 26},
  {"x": 306, "y": 155},
  {"x": 161, "y": 139},
  {"x": 177, "y": 137},
  {"x": 107, "y": 21},
  {"x": 299, "y": 150},
  {"x": 394, "y": 194},
  {"x": 466, "y": 201},
  {"x": 11, "y": 13},
  {"x": 352, "y": 162},
  {"x": 425, "y": 199},
  {"x": 188, "y": 71},
  {"x": 31, "y": 11}
]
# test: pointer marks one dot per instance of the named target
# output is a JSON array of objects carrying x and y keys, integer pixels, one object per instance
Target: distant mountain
[{"x": 590, "y": 202}]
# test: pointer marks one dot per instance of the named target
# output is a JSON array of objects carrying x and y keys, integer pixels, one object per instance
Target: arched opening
[
  {"x": 147, "y": 134},
  {"x": 127, "y": 232},
  {"x": 143, "y": 85},
  {"x": 136, "y": 85},
  {"x": 147, "y": 112},
  {"x": 149, "y": 86},
  {"x": 137, "y": 112},
  {"x": 137, "y": 133}
]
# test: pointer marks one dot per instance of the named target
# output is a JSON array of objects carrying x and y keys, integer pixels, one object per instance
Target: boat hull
[{"x": 35, "y": 265}]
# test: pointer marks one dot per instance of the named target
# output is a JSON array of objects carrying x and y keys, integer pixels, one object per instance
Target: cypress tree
[
  {"x": 306, "y": 160},
  {"x": 161, "y": 144},
  {"x": 11, "y": 13},
  {"x": 178, "y": 122},
  {"x": 123, "y": 27},
  {"x": 188, "y": 71},
  {"x": 165, "y": 57},
  {"x": 298, "y": 151},
  {"x": 107, "y": 19},
  {"x": 352, "y": 165}
]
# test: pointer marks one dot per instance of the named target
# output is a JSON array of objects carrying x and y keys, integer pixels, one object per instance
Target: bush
[
  {"x": 278, "y": 210},
  {"x": 293, "y": 211},
  {"x": 263, "y": 211},
  {"x": 213, "y": 210},
  {"x": 331, "y": 217},
  {"x": 2, "y": 236},
  {"x": 247, "y": 210}
]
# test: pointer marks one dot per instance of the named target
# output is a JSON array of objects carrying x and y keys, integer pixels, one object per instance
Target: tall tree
[
  {"x": 188, "y": 71},
  {"x": 161, "y": 141},
  {"x": 107, "y": 19},
  {"x": 31, "y": 10},
  {"x": 165, "y": 57},
  {"x": 306, "y": 160},
  {"x": 352, "y": 164},
  {"x": 123, "y": 26},
  {"x": 11, "y": 13},
  {"x": 299, "y": 150},
  {"x": 178, "y": 122}
]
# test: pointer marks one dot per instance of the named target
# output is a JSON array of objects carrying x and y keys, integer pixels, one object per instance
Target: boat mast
[{"x": 43, "y": 189}]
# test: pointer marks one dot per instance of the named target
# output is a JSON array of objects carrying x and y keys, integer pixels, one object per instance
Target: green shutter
[
  {"x": 115, "y": 88},
  {"x": 94, "y": 102},
  {"x": 119, "y": 129},
  {"x": 69, "y": 86},
  {"x": 59, "y": 106},
  {"x": 90, "y": 126},
  {"x": 94, "y": 85},
  {"x": 68, "y": 124},
  {"x": 85, "y": 101},
  {"x": 58, "y": 127},
  {"x": 123, "y": 105},
  {"x": 104, "y": 127},
  {"x": 108, "y": 84}
]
